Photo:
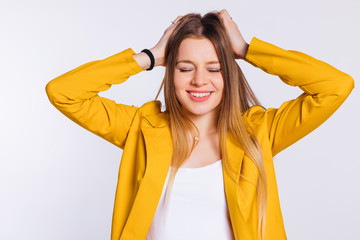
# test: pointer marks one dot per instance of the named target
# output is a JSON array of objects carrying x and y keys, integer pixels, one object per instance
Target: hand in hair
[
  {"x": 159, "y": 49},
  {"x": 238, "y": 44}
]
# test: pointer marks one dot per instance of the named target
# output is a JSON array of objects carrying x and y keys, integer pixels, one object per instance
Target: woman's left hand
[{"x": 238, "y": 44}]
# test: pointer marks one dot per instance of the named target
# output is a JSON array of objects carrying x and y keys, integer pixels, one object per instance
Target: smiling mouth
[{"x": 199, "y": 94}]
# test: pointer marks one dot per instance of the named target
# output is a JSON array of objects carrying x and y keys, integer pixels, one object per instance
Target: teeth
[{"x": 199, "y": 95}]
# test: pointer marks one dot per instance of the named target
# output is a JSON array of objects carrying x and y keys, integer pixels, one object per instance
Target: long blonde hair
[{"x": 237, "y": 98}]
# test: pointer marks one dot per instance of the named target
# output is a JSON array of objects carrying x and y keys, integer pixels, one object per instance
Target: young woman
[{"x": 214, "y": 136}]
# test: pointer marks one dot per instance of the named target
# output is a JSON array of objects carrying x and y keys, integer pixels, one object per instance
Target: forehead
[{"x": 197, "y": 50}]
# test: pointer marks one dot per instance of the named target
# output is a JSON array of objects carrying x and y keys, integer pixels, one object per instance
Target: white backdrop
[{"x": 57, "y": 180}]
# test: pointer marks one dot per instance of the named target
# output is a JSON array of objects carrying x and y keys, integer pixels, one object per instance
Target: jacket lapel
[{"x": 240, "y": 194}]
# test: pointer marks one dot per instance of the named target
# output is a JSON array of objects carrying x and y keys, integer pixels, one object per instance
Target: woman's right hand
[{"x": 158, "y": 51}]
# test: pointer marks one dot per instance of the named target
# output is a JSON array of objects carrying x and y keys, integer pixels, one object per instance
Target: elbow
[
  {"x": 50, "y": 91},
  {"x": 53, "y": 93},
  {"x": 341, "y": 90},
  {"x": 346, "y": 85}
]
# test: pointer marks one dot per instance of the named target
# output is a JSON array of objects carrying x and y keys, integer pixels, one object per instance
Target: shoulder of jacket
[
  {"x": 151, "y": 107},
  {"x": 151, "y": 113},
  {"x": 255, "y": 114}
]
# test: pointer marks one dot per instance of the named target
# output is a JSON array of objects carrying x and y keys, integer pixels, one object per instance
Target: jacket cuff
[{"x": 127, "y": 56}]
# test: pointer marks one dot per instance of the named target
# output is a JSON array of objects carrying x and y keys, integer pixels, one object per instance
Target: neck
[{"x": 207, "y": 123}]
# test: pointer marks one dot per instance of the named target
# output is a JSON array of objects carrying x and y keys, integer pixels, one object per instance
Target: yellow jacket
[{"x": 143, "y": 133}]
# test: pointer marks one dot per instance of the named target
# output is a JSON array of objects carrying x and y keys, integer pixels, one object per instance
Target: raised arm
[
  {"x": 325, "y": 89},
  {"x": 75, "y": 93}
]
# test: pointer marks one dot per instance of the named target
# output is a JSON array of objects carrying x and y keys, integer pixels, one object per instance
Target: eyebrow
[{"x": 188, "y": 61}]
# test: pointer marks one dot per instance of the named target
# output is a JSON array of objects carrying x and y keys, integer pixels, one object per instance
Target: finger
[
  {"x": 225, "y": 15},
  {"x": 177, "y": 20},
  {"x": 173, "y": 24}
]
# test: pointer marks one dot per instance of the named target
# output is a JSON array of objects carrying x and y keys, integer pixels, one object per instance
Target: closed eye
[{"x": 210, "y": 70}]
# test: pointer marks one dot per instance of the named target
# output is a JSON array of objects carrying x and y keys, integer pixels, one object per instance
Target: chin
[{"x": 199, "y": 110}]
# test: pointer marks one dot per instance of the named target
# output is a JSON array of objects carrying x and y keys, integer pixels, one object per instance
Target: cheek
[
  {"x": 220, "y": 88},
  {"x": 219, "y": 84},
  {"x": 179, "y": 83}
]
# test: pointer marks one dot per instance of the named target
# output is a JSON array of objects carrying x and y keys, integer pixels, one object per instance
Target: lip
[
  {"x": 202, "y": 99},
  {"x": 198, "y": 91}
]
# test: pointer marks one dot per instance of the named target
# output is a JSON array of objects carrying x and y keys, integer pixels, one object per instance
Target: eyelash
[{"x": 186, "y": 70}]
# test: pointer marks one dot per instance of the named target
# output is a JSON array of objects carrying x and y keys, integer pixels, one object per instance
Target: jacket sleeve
[
  {"x": 75, "y": 94},
  {"x": 325, "y": 89}
]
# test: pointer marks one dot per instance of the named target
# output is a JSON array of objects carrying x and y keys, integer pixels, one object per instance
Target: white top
[{"x": 197, "y": 207}]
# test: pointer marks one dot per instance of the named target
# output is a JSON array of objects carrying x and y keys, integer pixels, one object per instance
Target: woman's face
[{"x": 198, "y": 80}]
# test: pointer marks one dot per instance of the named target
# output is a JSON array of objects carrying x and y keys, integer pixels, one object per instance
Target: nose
[{"x": 199, "y": 78}]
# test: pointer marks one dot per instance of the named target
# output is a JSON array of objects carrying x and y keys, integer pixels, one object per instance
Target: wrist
[
  {"x": 142, "y": 59},
  {"x": 159, "y": 57},
  {"x": 244, "y": 50}
]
